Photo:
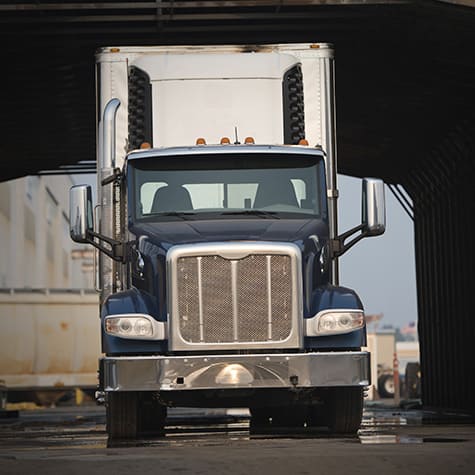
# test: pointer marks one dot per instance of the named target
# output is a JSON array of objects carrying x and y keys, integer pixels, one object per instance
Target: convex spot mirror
[
  {"x": 373, "y": 207},
  {"x": 80, "y": 213}
]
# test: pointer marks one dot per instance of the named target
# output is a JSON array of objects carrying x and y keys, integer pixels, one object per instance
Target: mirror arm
[
  {"x": 117, "y": 250},
  {"x": 116, "y": 176},
  {"x": 338, "y": 246}
]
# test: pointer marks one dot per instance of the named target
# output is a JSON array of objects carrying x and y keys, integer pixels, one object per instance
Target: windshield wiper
[
  {"x": 253, "y": 212},
  {"x": 178, "y": 214}
]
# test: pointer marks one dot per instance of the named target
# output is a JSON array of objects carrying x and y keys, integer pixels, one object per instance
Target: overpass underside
[{"x": 405, "y": 112}]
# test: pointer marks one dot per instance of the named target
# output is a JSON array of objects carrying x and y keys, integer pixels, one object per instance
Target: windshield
[{"x": 223, "y": 186}]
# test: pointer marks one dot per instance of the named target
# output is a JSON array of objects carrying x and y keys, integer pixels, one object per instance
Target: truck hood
[
  {"x": 153, "y": 240},
  {"x": 166, "y": 235}
]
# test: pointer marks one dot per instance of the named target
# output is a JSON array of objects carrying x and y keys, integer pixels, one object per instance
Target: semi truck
[{"x": 216, "y": 238}]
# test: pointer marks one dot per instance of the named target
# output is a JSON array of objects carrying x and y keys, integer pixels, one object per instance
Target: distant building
[
  {"x": 409, "y": 331},
  {"x": 36, "y": 250}
]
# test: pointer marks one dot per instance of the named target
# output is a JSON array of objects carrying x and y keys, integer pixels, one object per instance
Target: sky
[{"x": 380, "y": 269}]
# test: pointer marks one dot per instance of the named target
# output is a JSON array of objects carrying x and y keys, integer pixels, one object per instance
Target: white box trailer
[
  {"x": 50, "y": 340},
  {"x": 209, "y": 91}
]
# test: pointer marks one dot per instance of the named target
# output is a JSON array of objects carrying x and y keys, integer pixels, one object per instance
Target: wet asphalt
[{"x": 72, "y": 440}]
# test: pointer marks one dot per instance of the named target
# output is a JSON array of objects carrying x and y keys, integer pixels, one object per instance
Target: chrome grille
[{"x": 228, "y": 301}]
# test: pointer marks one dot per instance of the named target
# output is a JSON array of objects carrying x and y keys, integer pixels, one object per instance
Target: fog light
[{"x": 234, "y": 374}]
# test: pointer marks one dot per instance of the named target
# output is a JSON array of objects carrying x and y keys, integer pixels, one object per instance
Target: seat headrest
[
  {"x": 279, "y": 191},
  {"x": 171, "y": 198}
]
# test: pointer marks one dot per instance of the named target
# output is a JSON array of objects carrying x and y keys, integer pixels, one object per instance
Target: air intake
[
  {"x": 140, "y": 108},
  {"x": 294, "y": 118}
]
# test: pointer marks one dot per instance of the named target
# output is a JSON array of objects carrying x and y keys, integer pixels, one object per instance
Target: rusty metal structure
[
  {"x": 60, "y": 334},
  {"x": 405, "y": 113}
]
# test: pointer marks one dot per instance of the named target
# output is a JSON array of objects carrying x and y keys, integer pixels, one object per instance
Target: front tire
[
  {"x": 132, "y": 414},
  {"x": 344, "y": 410},
  {"x": 413, "y": 380},
  {"x": 386, "y": 386}
]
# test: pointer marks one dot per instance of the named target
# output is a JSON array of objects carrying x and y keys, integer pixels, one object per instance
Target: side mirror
[
  {"x": 373, "y": 207},
  {"x": 81, "y": 221},
  {"x": 373, "y": 217}
]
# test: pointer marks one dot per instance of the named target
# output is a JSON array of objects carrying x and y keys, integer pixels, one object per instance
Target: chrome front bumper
[{"x": 177, "y": 373}]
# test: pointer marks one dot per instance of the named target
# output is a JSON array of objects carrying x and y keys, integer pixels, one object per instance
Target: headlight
[
  {"x": 334, "y": 322},
  {"x": 134, "y": 326}
]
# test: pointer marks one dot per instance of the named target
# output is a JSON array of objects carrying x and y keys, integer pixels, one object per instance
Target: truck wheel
[
  {"x": 344, "y": 410},
  {"x": 121, "y": 415},
  {"x": 413, "y": 380},
  {"x": 152, "y": 416},
  {"x": 386, "y": 386},
  {"x": 133, "y": 414}
]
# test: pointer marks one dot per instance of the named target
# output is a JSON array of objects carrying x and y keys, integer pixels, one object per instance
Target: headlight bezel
[
  {"x": 314, "y": 326},
  {"x": 114, "y": 326}
]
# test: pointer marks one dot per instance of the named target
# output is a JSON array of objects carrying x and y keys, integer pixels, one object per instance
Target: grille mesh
[
  {"x": 217, "y": 300},
  {"x": 254, "y": 306}
]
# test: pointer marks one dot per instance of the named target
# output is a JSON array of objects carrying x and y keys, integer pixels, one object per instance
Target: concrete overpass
[{"x": 405, "y": 113}]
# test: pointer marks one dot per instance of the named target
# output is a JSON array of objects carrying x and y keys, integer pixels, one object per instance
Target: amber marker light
[
  {"x": 303, "y": 142},
  {"x": 145, "y": 145},
  {"x": 200, "y": 141},
  {"x": 249, "y": 140},
  {"x": 225, "y": 141}
]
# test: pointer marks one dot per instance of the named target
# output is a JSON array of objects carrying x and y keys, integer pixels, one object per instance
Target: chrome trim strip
[
  {"x": 108, "y": 133},
  {"x": 234, "y": 291},
  {"x": 166, "y": 152},
  {"x": 269, "y": 298},
  {"x": 177, "y": 373},
  {"x": 200, "y": 300}
]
